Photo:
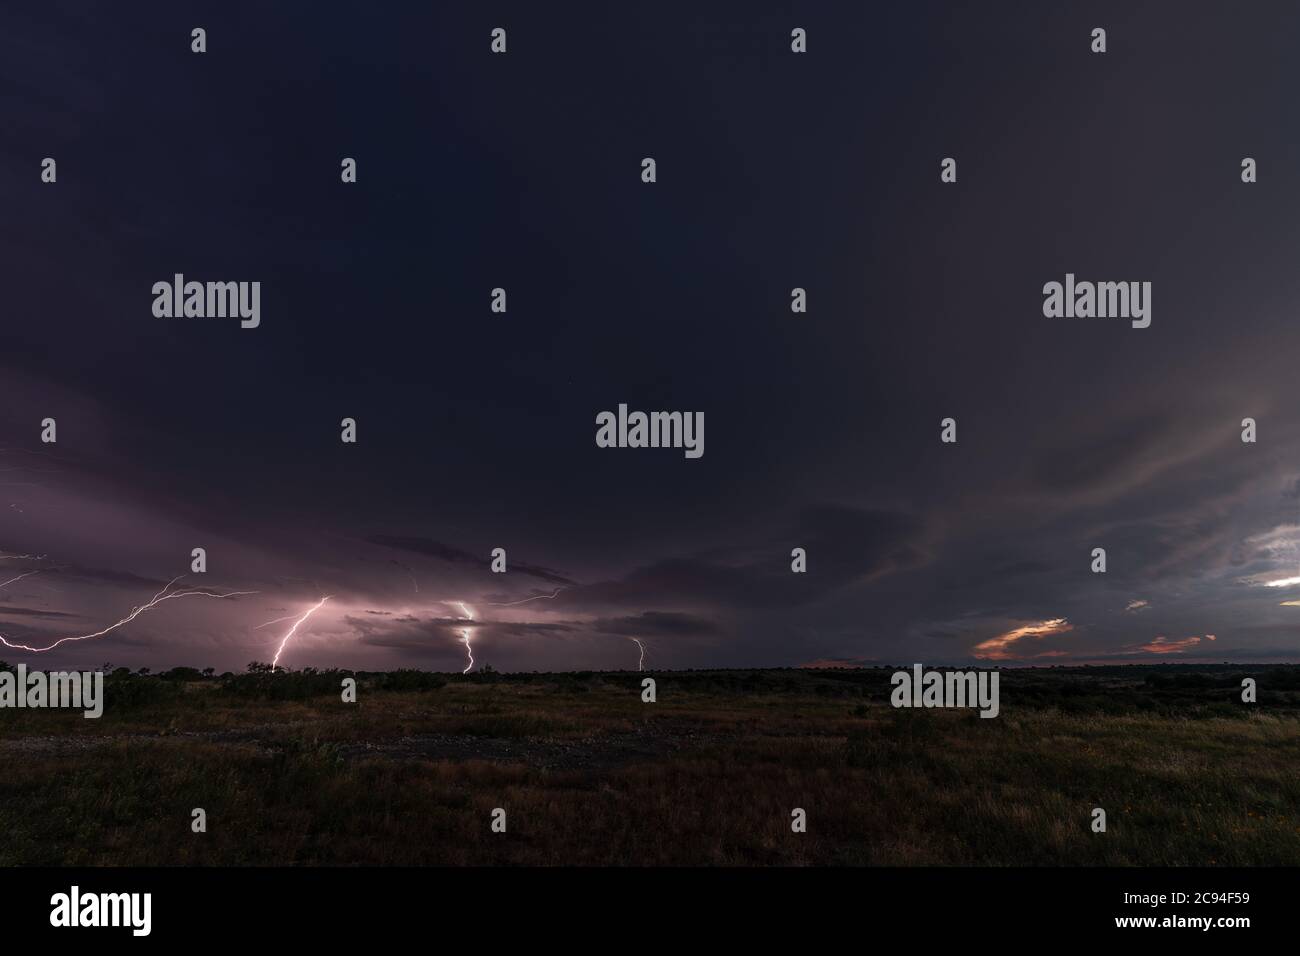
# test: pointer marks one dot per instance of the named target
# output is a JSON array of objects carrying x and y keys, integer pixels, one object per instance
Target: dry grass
[{"x": 593, "y": 776}]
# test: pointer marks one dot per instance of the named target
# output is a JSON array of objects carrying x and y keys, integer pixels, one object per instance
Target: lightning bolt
[
  {"x": 640, "y": 664},
  {"x": 465, "y": 633},
  {"x": 293, "y": 630},
  {"x": 535, "y": 597},
  {"x": 166, "y": 594},
  {"x": 25, "y": 574},
  {"x": 278, "y": 620}
]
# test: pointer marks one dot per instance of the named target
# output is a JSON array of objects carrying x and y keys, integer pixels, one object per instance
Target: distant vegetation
[{"x": 410, "y": 774}]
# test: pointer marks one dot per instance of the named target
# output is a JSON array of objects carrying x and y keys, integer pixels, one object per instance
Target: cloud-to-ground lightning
[
  {"x": 465, "y": 634},
  {"x": 293, "y": 630},
  {"x": 166, "y": 594},
  {"x": 640, "y": 664},
  {"x": 535, "y": 597}
]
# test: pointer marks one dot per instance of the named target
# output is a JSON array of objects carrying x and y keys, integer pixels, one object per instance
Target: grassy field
[{"x": 707, "y": 775}]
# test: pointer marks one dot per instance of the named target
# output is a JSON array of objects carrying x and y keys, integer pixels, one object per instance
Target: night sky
[{"x": 476, "y": 430}]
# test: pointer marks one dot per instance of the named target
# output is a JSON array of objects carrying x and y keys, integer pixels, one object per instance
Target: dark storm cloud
[
  {"x": 1017, "y": 567},
  {"x": 19, "y": 633},
  {"x": 407, "y": 633},
  {"x": 846, "y": 546},
  {"x": 657, "y": 623},
  {"x": 1105, "y": 458},
  {"x": 436, "y": 549},
  {"x": 925, "y": 303},
  {"x": 7, "y": 610},
  {"x": 414, "y": 631},
  {"x": 108, "y": 576},
  {"x": 532, "y": 628}
]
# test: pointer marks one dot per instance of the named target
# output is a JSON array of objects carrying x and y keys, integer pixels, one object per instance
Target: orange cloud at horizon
[
  {"x": 996, "y": 648},
  {"x": 1163, "y": 645}
]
